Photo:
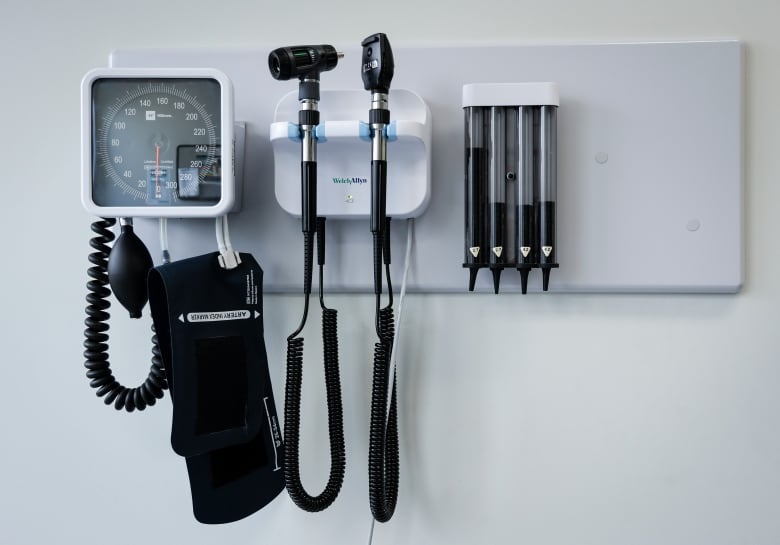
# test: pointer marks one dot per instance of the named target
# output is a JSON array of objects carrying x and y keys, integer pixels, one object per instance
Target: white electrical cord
[
  {"x": 393, "y": 352},
  {"x": 401, "y": 296},
  {"x": 228, "y": 257}
]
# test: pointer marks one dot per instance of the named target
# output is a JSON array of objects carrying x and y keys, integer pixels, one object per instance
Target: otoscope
[
  {"x": 383, "y": 457},
  {"x": 306, "y": 62}
]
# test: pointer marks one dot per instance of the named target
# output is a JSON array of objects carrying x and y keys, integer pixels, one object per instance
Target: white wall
[{"x": 611, "y": 420}]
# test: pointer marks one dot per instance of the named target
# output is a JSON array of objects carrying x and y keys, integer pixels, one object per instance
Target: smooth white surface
[
  {"x": 511, "y": 94},
  {"x": 544, "y": 420}
]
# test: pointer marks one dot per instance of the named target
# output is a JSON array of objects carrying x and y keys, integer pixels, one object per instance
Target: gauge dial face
[{"x": 156, "y": 142}]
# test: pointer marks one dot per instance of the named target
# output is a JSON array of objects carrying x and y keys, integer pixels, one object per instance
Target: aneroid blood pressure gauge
[{"x": 157, "y": 142}]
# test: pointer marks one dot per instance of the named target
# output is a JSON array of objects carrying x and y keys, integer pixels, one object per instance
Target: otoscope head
[
  {"x": 378, "y": 65},
  {"x": 301, "y": 61}
]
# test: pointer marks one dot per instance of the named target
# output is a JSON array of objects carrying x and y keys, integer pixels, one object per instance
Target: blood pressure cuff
[{"x": 209, "y": 324}]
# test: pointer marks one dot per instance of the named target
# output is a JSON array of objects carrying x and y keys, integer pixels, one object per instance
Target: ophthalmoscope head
[{"x": 378, "y": 65}]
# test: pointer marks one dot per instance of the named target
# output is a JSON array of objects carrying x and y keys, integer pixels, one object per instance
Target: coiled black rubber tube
[
  {"x": 383, "y": 453},
  {"x": 292, "y": 401},
  {"x": 96, "y": 335}
]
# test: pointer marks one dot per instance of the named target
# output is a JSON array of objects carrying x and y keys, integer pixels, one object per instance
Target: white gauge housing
[{"x": 223, "y": 192}]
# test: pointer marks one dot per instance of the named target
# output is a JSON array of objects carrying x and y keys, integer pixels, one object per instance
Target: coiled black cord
[
  {"x": 292, "y": 400},
  {"x": 383, "y": 452},
  {"x": 96, "y": 335}
]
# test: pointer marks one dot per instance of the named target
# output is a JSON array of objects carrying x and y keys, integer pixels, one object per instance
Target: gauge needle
[{"x": 157, "y": 171}]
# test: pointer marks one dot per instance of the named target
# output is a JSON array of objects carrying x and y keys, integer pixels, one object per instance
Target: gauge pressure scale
[{"x": 157, "y": 143}]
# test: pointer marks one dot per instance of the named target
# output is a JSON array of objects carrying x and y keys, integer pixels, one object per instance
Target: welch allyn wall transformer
[{"x": 344, "y": 173}]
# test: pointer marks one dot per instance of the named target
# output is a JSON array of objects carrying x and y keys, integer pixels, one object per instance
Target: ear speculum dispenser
[{"x": 510, "y": 179}]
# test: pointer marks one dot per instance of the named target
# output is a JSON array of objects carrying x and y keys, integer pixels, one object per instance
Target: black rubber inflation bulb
[{"x": 129, "y": 264}]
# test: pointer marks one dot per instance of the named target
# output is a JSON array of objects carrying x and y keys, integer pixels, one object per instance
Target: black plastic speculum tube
[
  {"x": 476, "y": 175},
  {"x": 545, "y": 204},
  {"x": 497, "y": 257},
  {"x": 525, "y": 240}
]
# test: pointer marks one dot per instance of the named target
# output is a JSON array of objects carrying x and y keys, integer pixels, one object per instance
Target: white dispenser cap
[{"x": 511, "y": 94}]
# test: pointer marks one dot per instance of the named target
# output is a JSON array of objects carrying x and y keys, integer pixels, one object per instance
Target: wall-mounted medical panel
[{"x": 649, "y": 141}]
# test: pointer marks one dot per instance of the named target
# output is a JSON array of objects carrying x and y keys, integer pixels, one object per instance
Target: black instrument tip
[
  {"x": 545, "y": 278},
  {"x": 496, "y": 279},
  {"x": 473, "y": 277},
  {"x": 524, "y": 280}
]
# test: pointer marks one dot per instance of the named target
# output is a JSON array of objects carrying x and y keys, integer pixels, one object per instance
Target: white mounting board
[{"x": 649, "y": 167}]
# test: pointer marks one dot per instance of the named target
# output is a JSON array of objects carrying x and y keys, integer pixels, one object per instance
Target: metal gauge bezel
[{"x": 227, "y": 194}]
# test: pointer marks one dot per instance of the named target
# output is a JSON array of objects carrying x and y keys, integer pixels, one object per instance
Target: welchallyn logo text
[{"x": 350, "y": 181}]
